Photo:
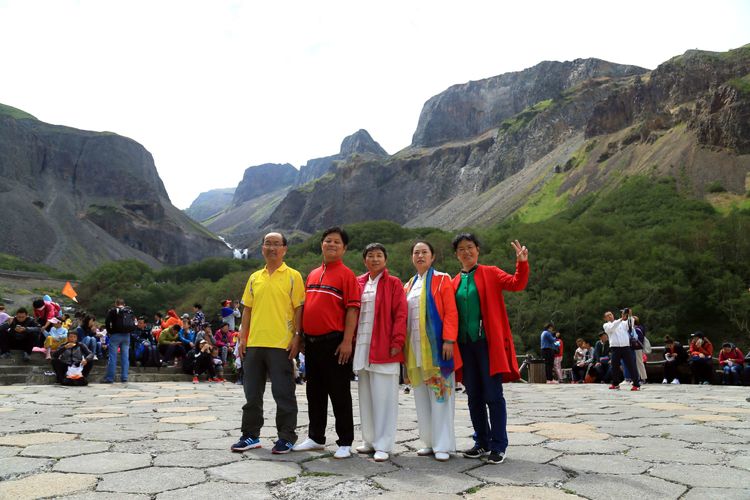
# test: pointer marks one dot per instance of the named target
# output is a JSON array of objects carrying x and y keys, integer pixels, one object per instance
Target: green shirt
[{"x": 469, "y": 311}]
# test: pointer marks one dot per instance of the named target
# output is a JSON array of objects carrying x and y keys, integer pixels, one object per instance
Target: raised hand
[{"x": 522, "y": 253}]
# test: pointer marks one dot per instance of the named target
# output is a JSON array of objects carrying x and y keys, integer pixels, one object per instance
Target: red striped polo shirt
[{"x": 330, "y": 289}]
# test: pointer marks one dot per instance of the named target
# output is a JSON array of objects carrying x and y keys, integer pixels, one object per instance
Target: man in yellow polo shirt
[{"x": 272, "y": 316}]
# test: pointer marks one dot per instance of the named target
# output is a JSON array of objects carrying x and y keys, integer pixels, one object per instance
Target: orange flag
[{"x": 69, "y": 292}]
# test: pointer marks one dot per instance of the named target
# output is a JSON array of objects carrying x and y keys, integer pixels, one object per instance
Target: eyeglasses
[{"x": 273, "y": 245}]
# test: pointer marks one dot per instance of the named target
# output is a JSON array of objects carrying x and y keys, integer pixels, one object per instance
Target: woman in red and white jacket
[{"x": 378, "y": 354}]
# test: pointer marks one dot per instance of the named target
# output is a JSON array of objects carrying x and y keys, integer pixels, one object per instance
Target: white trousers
[
  {"x": 378, "y": 409},
  {"x": 435, "y": 420}
]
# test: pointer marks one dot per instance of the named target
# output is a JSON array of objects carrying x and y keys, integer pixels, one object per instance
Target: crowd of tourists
[{"x": 621, "y": 354}]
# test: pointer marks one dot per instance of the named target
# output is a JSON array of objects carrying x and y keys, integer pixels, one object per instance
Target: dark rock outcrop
[
  {"x": 210, "y": 203},
  {"x": 263, "y": 179},
  {"x": 467, "y": 110},
  {"x": 74, "y": 199}
]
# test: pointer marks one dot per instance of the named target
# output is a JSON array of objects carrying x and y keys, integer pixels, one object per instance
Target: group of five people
[{"x": 441, "y": 330}]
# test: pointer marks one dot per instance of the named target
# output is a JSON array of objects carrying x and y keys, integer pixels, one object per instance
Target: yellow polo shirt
[{"x": 273, "y": 299}]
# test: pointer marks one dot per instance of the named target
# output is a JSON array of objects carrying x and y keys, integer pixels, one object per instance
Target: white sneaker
[
  {"x": 676, "y": 382},
  {"x": 380, "y": 456},
  {"x": 343, "y": 452},
  {"x": 423, "y": 452},
  {"x": 96, "y": 358},
  {"x": 664, "y": 381},
  {"x": 365, "y": 449},
  {"x": 308, "y": 445},
  {"x": 441, "y": 456}
]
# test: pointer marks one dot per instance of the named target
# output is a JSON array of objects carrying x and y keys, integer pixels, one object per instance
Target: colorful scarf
[{"x": 436, "y": 371}]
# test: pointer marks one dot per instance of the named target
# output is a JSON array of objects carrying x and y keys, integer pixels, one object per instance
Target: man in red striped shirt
[{"x": 329, "y": 319}]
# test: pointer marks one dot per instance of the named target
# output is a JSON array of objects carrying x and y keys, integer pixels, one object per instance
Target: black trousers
[
  {"x": 204, "y": 364},
  {"x": 549, "y": 361},
  {"x": 327, "y": 378},
  {"x": 273, "y": 363},
  {"x": 62, "y": 368},
  {"x": 22, "y": 341},
  {"x": 172, "y": 351},
  {"x": 670, "y": 370},
  {"x": 626, "y": 355}
]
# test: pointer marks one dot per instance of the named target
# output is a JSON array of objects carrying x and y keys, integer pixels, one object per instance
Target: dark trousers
[
  {"x": 670, "y": 370},
  {"x": 12, "y": 340},
  {"x": 484, "y": 392},
  {"x": 172, "y": 351},
  {"x": 327, "y": 378},
  {"x": 204, "y": 364},
  {"x": 549, "y": 361},
  {"x": 624, "y": 354},
  {"x": 732, "y": 374},
  {"x": 61, "y": 369},
  {"x": 603, "y": 372},
  {"x": 701, "y": 368},
  {"x": 578, "y": 372},
  {"x": 274, "y": 363}
]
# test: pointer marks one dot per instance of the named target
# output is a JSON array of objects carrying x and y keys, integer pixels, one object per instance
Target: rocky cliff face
[
  {"x": 487, "y": 149},
  {"x": 74, "y": 199},
  {"x": 263, "y": 179},
  {"x": 209, "y": 203}
]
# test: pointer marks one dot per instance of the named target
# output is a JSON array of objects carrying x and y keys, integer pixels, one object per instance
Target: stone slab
[
  {"x": 35, "y": 438},
  {"x": 16, "y": 466},
  {"x": 558, "y": 430},
  {"x": 217, "y": 490},
  {"x": 418, "y": 464},
  {"x": 64, "y": 449},
  {"x": 585, "y": 446},
  {"x": 157, "y": 480},
  {"x": 197, "y": 458},
  {"x": 724, "y": 493},
  {"x": 188, "y": 419},
  {"x": 355, "y": 466},
  {"x": 613, "y": 464},
  {"x": 103, "y": 463},
  {"x": 9, "y": 451},
  {"x": 254, "y": 471},
  {"x": 623, "y": 487},
  {"x": 435, "y": 481},
  {"x": 702, "y": 475},
  {"x": 536, "y": 454},
  {"x": 524, "y": 492},
  {"x": 49, "y": 484},
  {"x": 327, "y": 488},
  {"x": 669, "y": 455},
  {"x": 98, "y": 495},
  {"x": 152, "y": 446},
  {"x": 518, "y": 472}
]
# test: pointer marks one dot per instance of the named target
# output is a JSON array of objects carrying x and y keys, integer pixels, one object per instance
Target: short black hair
[
  {"x": 429, "y": 245},
  {"x": 374, "y": 246},
  {"x": 465, "y": 237},
  {"x": 283, "y": 238},
  {"x": 38, "y": 303},
  {"x": 22, "y": 310},
  {"x": 549, "y": 325},
  {"x": 197, "y": 306},
  {"x": 340, "y": 231},
  {"x": 73, "y": 331}
]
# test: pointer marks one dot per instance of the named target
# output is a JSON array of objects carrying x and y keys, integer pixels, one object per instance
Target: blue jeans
[
  {"x": 121, "y": 340},
  {"x": 732, "y": 374},
  {"x": 484, "y": 392},
  {"x": 93, "y": 345}
]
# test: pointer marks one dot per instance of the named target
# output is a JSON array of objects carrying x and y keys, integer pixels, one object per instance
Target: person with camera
[
  {"x": 701, "y": 352},
  {"x": 618, "y": 331}
]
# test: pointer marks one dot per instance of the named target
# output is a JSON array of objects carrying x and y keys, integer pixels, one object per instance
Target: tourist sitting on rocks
[
  {"x": 4, "y": 316},
  {"x": 58, "y": 334},
  {"x": 582, "y": 360},
  {"x": 218, "y": 365},
  {"x": 187, "y": 334},
  {"x": 21, "y": 333},
  {"x": 600, "y": 368},
  {"x": 732, "y": 362},
  {"x": 170, "y": 346},
  {"x": 221, "y": 340},
  {"x": 701, "y": 358},
  {"x": 674, "y": 356},
  {"x": 156, "y": 329},
  {"x": 43, "y": 313},
  {"x": 72, "y": 361},
  {"x": 206, "y": 334},
  {"x": 199, "y": 361},
  {"x": 171, "y": 320},
  {"x": 87, "y": 335},
  {"x": 142, "y": 343}
]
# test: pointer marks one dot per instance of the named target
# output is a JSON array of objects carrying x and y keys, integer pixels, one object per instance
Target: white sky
[{"x": 212, "y": 87}]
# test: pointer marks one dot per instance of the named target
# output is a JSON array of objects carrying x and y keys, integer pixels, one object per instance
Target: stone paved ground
[{"x": 171, "y": 440}]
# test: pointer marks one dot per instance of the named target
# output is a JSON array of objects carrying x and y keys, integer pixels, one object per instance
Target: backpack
[{"x": 124, "y": 321}]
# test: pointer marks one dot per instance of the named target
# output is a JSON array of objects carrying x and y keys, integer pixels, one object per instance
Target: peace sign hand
[{"x": 522, "y": 253}]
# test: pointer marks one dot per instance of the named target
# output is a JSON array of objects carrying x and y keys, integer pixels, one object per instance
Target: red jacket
[
  {"x": 389, "y": 323},
  {"x": 491, "y": 281},
  {"x": 735, "y": 355}
]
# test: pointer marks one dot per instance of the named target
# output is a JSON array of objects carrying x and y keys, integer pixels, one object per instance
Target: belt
[{"x": 325, "y": 337}]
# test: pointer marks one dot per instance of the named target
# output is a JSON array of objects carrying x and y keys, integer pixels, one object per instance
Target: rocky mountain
[
  {"x": 209, "y": 203},
  {"x": 530, "y": 142},
  {"x": 74, "y": 199},
  {"x": 263, "y": 187}
]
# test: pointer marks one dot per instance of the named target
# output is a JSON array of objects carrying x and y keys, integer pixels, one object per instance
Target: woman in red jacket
[
  {"x": 431, "y": 359},
  {"x": 485, "y": 342},
  {"x": 379, "y": 352}
]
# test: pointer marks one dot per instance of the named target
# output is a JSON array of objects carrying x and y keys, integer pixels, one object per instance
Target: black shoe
[
  {"x": 105, "y": 381},
  {"x": 496, "y": 457},
  {"x": 475, "y": 452}
]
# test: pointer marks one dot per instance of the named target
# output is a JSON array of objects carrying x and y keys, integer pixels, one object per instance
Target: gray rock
[
  {"x": 153, "y": 446},
  {"x": 723, "y": 493},
  {"x": 623, "y": 487},
  {"x": 254, "y": 471},
  {"x": 612, "y": 464},
  {"x": 355, "y": 466},
  {"x": 103, "y": 463},
  {"x": 98, "y": 495},
  {"x": 536, "y": 454},
  {"x": 16, "y": 466},
  {"x": 197, "y": 458},
  {"x": 157, "y": 480},
  {"x": 434, "y": 481},
  {"x": 8, "y": 451},
  {"x": 326, "y": 488},
  {"x": 670, "y": 455},
  {"x": 702, "y": 475},
  {"x": 457, "y": 463},
  {"x": 65, "y": 449},
  {"x": 519, "y": 472},
  {"x": 603, "y": 446},
  {"x": 214, "y": 489},
  {"x": 191, "y": 434}
]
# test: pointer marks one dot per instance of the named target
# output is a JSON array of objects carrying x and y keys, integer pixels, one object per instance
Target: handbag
[{"x": 646, "y": 345}]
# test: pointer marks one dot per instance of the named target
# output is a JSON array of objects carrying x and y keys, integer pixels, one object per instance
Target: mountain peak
[{"x": 361, "y": 142}]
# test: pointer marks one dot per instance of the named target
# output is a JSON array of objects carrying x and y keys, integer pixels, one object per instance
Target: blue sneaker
[
  {"x": 282, "y": 446},
  {"x": 246, "y": 443}
]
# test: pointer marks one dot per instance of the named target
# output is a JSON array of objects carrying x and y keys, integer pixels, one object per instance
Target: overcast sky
[{"x": 213, "y": 87}]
